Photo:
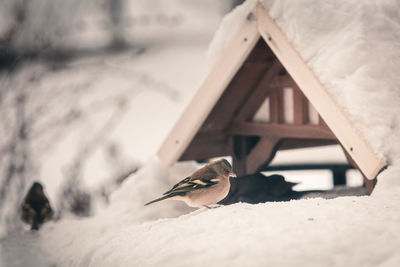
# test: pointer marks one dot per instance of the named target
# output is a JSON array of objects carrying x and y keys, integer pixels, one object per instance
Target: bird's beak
[{"x": 232, "y": 175}]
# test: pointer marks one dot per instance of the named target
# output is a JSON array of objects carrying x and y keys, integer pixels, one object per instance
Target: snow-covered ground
[
  {"x": 351, "y": 231},
  {"x": 347, "y": 231}
]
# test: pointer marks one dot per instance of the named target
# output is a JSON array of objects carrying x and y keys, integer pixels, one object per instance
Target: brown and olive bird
[
  {"x": 205, "y": 187},
  {"x": 36, "y": 209}
]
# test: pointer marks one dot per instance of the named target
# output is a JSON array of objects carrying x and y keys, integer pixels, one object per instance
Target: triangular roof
[{"x": 259, "y": 31}]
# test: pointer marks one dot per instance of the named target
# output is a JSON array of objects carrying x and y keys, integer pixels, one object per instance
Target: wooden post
[
  {"x": 300, "y": 106},
  {"x": 369, "y": 184},
  {"x": 262, "y": 154},
  {"x": 276, "y": 106},
  {"x": 257, "y": 97},
  {"x": 339, "y": 176},
  {"x": 239, "y": 156}
]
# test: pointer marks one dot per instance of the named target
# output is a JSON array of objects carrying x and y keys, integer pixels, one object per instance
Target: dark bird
[
  {"x": 205, "y": 187},
  {"x": 36, "y": 209},
  {"x": 258, "y": 188}
]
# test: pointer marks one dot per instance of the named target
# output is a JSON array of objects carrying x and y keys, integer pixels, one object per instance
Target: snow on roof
[{"x": 227, "y": 28}]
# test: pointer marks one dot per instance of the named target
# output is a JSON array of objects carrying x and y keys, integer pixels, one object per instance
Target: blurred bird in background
[
  {"x": 205, "y": 187},
  {"x": 36, "y": 209}
]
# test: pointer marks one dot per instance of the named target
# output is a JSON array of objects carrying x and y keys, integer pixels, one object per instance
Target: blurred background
[{"x": 89, "y": 90}]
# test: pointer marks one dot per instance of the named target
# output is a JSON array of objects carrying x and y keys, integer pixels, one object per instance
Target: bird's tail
[
  {"x": 159, "y": 199},
  {"x": 35, "y": 224}
]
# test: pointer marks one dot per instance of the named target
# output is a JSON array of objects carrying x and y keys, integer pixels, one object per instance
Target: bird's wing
[
  {"x": 46, "y": 211},
  {"x": 191, "y": 183}
]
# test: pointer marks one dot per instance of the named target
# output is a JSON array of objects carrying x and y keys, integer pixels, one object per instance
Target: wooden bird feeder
[{"x": 260, "y": 97}]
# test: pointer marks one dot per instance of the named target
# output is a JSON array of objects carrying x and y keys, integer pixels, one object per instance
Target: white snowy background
[{"x": 127, "y": 103}]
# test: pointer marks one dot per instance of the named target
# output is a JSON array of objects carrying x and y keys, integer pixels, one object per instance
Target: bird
[
  {"x": 36, "y": 209},
  {"x": 258, "y": 188},
  {"x": 203, "y": 188}
]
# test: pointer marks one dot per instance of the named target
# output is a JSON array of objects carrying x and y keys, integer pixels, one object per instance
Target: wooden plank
[
  {"x": 207, "y": 145},
  {"x": 369, "y": 184},
  {"x": 276, "y": 105},
  {"x": 258, "y": 95},
  {"x": 209, "y": 92},
  {"x": 280, "y": 130},
  {"x": 308, "y": 166},
  {"x": 302, "y": 143},
  {"x": 300, "y": 106},
  {"x": 322, "y": 122},
  {"x": 281, "y": 81},
  {"x": 261, "y": 154},
  {"x": 355, "y": 144},
  {"x": 239, "y": 157}
]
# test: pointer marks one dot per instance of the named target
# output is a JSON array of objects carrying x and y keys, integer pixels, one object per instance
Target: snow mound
[
  {"x": 347, "y": 231},
  {"x": 342, "y": 232},
  {"x": 149, "y": 183}
]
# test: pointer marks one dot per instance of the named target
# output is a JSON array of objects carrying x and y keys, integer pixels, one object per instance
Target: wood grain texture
[
  {"x": 280, "y": 130},
  {"x": 258, "y": 95}
]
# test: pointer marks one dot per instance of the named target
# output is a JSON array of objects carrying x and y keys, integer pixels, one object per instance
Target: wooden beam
[
  {"x": 234, "y": 95},
  {"x": 280, "y": 130},
  {"x": 302, "y": 143},
  {"x": 261, "y": 154},
  {"x": 322, "y": 122},
  {"x": 300, "y": 103},
  {"x": 308, "y": 166},
  {"x": 281, "y": 81},
  {"x": 207, "y": 145},
  {"x": 258, "y": 95},
  {"x": 369, "y": 184},
  {"x": 222, "y": 72},
  {"x": 355, "y": 144},
  {"x": 276, "y": 105},
  {"x": 239, "y": 157}
]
